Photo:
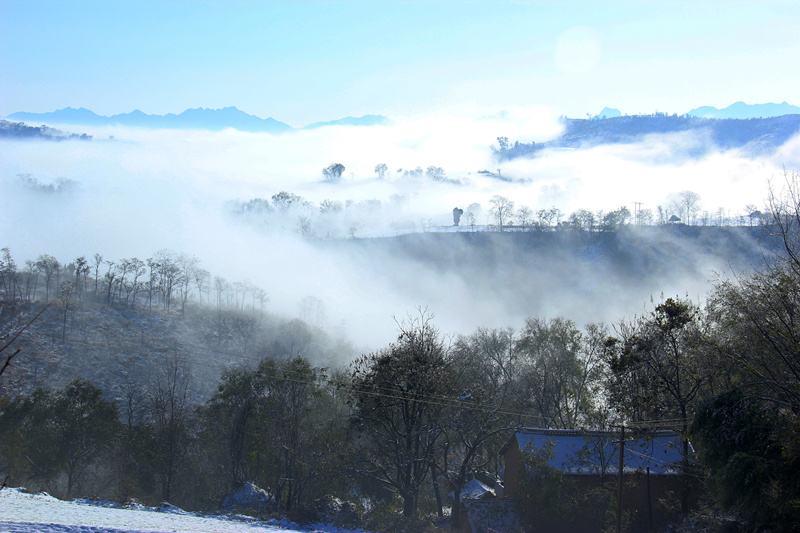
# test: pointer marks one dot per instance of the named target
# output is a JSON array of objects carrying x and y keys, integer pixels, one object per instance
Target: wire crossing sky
[{"x": 302, "y": 61}]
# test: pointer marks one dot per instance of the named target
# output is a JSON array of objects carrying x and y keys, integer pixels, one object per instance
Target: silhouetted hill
[
  {"x": 19, "y": 130},
  {"x": 639, "y": 251},
  {"x": 755, "y": 134},
  {"x": 599, "y": 276}
]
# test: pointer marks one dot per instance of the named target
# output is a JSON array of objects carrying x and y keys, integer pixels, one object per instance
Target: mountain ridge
[
  {"x": 204, "y": 118},
  {"x": 736, "y": 110},
  {"x": 192, "y": 118},
  {"x": 363, "y": 120},
  {"x": 742, "y": 110},
  {"x": 755, "y": 135}
]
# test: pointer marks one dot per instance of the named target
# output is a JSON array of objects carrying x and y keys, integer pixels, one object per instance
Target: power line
[
  {"x": 441, "y": 400},
  {"x": 409, "y": 395},
  {"x": 387, "y": 392},
  {"x": 403, "y": 394},
  {"x": 421, "y": 398},
  {"x": 665, "y": 463},
  {"x": 375, "y": 391}
]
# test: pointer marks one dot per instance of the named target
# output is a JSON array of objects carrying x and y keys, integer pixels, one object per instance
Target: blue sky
[{"x": 302, "y": 61}]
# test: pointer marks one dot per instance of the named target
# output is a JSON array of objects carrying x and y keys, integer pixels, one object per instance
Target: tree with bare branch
[{"x": 391, "y": 397}]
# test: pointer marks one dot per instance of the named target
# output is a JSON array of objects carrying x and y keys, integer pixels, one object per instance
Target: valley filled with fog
[
  {"x": 399, "y": 267},
  {"x": 362, "y": 247}
]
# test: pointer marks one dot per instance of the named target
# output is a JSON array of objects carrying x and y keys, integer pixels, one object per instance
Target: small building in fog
[{"x": 586, "y": 464}]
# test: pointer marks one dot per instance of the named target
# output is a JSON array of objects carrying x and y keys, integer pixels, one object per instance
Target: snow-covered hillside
[{"x": 42, "y": 513}]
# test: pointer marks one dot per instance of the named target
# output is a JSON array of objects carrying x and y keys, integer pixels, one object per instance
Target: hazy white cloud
[{"x": 650, "y": 171}]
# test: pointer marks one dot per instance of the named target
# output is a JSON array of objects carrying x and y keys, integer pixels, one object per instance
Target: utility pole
[
  {"x": 649, "y": 503},
  {"x": 637, "y": 210},
  {"x": 620, "y": 477}
]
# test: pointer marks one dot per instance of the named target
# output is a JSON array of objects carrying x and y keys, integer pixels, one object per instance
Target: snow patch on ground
[{"x": 21, "y": 512}]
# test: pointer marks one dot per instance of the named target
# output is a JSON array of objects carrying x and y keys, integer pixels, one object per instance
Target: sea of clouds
[{"x": 137, "y": 191}]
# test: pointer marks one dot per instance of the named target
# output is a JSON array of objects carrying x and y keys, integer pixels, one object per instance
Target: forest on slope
[
  {"x": 151, "y": 379},
  {"x": 114, "y": 322}
]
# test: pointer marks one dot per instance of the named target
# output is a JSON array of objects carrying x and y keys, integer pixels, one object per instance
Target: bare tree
[
  {"x": 187, "y": 266},
  {"x": 473, "y": 213},
  {"x": 50, "y": 267},
  {"x": 687, "y": 203},
  {"x": 8, "y": 339},
  {"x": 582, "y": 219},
  {"x": 785, "y": 211},
  {"x": 67, "y": 288},
  {"x": 202, "y": 280},
  {"x": 502, "y": 210},
  {"x": 109, "y": 278},
  {"x": 170, "y": 276},
  {"x": 391, "y": 391},
  {"x": 31, "y": 280},
  {"x": 138, "y": 269},
  {"x": 561, "y": 369},
  {"x": 484, "y": 365},
  {"x": 82, "y": 270},
  {"x": 169, "y": 412},
  {"x": 152, "y": 281},
  {"x": 547, "y": 217},
  {"x": 524, "y": 216},
  {"x": 762, "y": 310},
  {"x": 98, "y": 260},
  {"x": 8, "y": 275}
]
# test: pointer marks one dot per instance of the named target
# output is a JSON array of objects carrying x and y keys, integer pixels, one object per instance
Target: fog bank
[{"x": 145, "y": 190}]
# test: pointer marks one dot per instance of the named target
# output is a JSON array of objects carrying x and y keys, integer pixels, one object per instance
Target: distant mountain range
[
  {"x": 366, "y": 120},
  {"x": 232, "y": 117},
  {"x": 736, "y": 110},
  {"x": 196, "y": 118}
]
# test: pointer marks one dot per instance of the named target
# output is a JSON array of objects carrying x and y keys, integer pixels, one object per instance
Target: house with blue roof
[{"x": 652, "y": 472}]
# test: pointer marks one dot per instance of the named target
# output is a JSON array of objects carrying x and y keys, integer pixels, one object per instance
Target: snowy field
[{"x": 41, "y": 513}]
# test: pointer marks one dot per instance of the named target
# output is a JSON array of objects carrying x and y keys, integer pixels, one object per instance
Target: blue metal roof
[{"x": 596, "y": 452}]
